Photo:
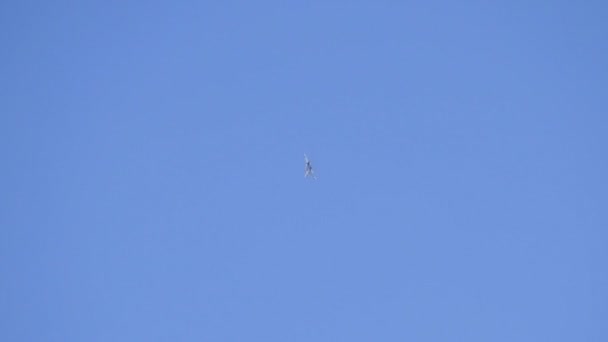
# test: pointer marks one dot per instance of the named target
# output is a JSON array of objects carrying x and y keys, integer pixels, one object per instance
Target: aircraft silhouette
[{"x": 308, "y": 170}]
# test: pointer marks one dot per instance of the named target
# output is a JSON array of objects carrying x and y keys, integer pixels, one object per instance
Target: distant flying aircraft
[{"x": 308, "y": 171}]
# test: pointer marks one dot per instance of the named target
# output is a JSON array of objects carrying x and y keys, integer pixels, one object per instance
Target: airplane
[{"x": 308, "y": 171}]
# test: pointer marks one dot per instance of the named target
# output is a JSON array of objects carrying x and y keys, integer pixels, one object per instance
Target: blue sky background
[{"x": 152, "y": 171}]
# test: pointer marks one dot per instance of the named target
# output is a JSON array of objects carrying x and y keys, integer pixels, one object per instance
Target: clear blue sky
[{"x": 152, "y": 185}]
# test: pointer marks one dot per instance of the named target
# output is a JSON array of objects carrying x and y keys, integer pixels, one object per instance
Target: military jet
[{"x": 308, "y": 171}]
